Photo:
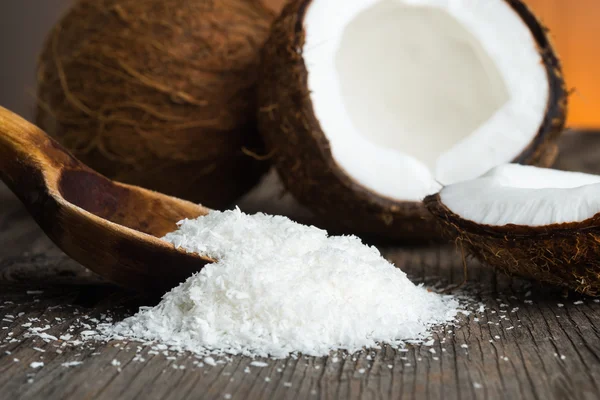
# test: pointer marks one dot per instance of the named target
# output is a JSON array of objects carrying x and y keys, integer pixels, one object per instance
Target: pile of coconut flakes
[{"x": 279, "y": 288}]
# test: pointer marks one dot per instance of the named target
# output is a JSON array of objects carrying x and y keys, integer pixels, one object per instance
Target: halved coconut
[
  {"x": 369, "y": 106},
  {"x": 533, "y": 222}
]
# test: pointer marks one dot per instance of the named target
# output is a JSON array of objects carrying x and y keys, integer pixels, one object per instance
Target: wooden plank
[{"x": 529, "y": 343}]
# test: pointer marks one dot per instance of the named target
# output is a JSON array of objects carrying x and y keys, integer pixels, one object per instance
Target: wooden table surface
[{"x": 530, "y": 342}]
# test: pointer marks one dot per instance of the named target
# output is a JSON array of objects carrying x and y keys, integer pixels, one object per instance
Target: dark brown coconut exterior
[
  {"x": 566, "y": 255},
  {"x": 159, "y": 93},
  {"x": 302, "y": 153}
]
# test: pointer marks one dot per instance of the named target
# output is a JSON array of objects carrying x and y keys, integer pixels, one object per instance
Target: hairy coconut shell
[
  {"x": 159, "y": 93},
  {"x": 302, "y": 152},
  {"x": 566, "y": 255}
]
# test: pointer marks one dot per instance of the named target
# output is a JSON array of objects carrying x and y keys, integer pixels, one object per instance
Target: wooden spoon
[{"x": 109, "y": 227}]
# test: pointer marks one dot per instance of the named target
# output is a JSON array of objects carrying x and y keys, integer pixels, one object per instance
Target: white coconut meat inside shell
[
  {"x": 411, "y": 93},
  {"x": 525, "y": 195}
]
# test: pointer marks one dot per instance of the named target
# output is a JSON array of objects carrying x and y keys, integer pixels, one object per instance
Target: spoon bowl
[{"x": 111, "y": 228}]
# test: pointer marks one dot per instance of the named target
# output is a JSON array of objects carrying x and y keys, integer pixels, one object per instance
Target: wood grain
[{"x": 529, "y": 343}]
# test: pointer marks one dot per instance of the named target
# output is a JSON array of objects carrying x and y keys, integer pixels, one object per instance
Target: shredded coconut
[
  {"x": 259, "y": 364},
  {"x": 210, "y": 361},
  {"x": 279, "y": 288},
  {"x": 71, "y": 363}
]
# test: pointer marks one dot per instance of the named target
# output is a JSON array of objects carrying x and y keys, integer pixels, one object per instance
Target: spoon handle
[{"x": 30, "y": 161}]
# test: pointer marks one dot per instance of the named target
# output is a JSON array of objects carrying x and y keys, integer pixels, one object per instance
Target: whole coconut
[{"x": 159, "y": 93}]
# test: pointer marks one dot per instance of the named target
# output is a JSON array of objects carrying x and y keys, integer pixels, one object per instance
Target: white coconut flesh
[
  {"x": 525, "y": 195},
  {"x": 411, "y": 93}
]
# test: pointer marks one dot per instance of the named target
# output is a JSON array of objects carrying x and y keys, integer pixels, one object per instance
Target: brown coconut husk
[
  {"x": 566, "y": 255},
  {"x": 303, "y": 157},
  {"x": 159, "y": 93}
]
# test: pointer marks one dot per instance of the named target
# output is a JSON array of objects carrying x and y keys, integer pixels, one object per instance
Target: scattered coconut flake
[
  {"x": 210, "y": 361},
  {"x": 38, "y": 329},
  {"x": 477, "y": 385},
  {"x": 36, "y": 364},
  {"x": 259, "y": 364},
  {"x": 578, "y": 303},
  {"x": 71, "y": 363},
  {"x": 241, "y": 304},
  {"x": 46, "y": 337},
  {"x": 115, "y": 363}
]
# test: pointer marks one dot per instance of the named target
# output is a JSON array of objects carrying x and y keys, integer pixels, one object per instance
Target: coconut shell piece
[
  {"x": 302, "y": 154},
  {"x": 566, "y": 255},
  {"x": 159, "y": 93}
]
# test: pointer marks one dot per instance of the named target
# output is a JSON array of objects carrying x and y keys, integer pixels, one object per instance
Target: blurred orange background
[
  {"x": 574, "y": 25},
  {"x": 575, "y": 29}
]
